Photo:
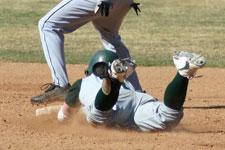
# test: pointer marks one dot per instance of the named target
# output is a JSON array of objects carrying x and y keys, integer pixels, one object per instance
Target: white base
[{"x": 47, "y": 110}]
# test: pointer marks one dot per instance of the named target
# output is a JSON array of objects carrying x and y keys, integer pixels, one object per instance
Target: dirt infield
[{"x": 203, "y": 125}]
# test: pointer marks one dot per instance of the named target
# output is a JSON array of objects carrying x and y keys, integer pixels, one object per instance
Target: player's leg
[
  {"x": 157, "y": 115},
  {"x": 175, "y": 93},
  {"x": 66, "y": 17},
  {"x": 108, "y": 28},
  {"x": 123, "y": 52},
  {"x": 187, "y": 65}
]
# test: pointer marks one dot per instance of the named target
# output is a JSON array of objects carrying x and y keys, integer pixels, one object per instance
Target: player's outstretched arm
[
  {"x": 71, "y": 101},
  {"x": 113, "y": 76}
]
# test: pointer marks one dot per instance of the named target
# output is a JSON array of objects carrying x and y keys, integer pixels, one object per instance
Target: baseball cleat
[
  {"x": 53, "y": 93},
  {"x": 188, "y": 63}
]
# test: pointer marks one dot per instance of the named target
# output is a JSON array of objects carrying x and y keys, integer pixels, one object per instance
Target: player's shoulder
[
  {"x": 85, "y": 82},
  {"x": 72, "y": 96},
  {"x": 76, "y": 84},
  {"x": 92, "y": 79}
]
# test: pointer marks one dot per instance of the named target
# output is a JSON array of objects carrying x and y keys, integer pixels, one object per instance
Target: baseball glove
[{"x": 119, "y": 69}]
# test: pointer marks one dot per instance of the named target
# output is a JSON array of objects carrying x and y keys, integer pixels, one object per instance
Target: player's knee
[
  {"x": 154, "y": 116},
  {"x": 148, "y": 123},
  {"x": 41, "y": 23},
  {"x": 156, "y": 123}
]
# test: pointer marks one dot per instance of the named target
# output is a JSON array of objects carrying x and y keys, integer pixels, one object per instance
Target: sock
[
  {"x": 106, "y": 102},
  {"x": 175, "y": 93}
]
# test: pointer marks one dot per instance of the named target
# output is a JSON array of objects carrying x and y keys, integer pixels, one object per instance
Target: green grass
[{"x": 162, "y": 27}]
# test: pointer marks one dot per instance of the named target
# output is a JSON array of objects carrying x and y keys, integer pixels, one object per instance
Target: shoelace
[
  {"x": 199, "y": 76},
  {"x": 48, "y": 86}
]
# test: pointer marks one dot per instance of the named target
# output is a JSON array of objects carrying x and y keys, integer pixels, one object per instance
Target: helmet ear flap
[
  {"x": 100, "y": 69},
  {"x": 86, "y": 72}
]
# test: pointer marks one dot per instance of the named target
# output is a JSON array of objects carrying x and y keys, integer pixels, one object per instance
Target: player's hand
[
  {"x": 135, "y": 7},
  {"x": 103, "y": 7},
  {"x": 61, "y": 115}
]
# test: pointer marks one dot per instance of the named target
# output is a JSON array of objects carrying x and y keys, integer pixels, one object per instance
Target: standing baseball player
[
  {"x": 109, "y": 99},
  {"x": 66, "y": 17}
]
